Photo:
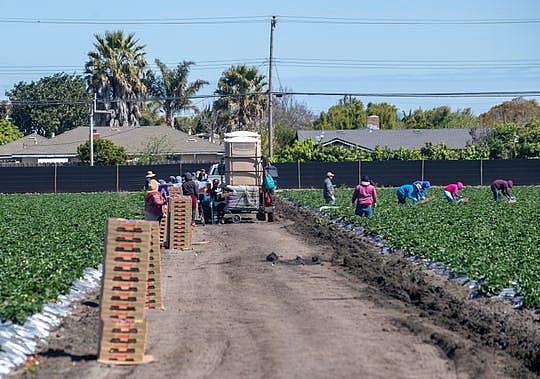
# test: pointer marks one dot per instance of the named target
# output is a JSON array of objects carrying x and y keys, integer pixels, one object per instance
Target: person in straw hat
[{"x": 149, "y": 176}]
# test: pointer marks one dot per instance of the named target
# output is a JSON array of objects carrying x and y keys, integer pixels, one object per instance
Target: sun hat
[{"x": 150, "y": 174}]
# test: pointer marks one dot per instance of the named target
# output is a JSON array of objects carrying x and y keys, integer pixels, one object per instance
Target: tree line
[{"x": 118, "y": 75}]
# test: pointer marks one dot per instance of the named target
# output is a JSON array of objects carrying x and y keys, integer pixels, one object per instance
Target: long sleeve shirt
[
  {"x": 153, "y": 203},
  {"x": 189, "y": 188},
  {"x": 328, "y": 189},
  {"x": 502, "y": 185},
  {"x": 364, "y": 194},
  {"x": 453, "y": 189},
  {"x": 409, "y": 191}
]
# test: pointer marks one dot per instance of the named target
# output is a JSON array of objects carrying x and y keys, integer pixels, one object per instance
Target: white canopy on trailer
[{"x": 242, "y": 133}]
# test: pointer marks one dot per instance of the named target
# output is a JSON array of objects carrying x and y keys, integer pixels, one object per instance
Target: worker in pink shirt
[
  {"x": 364, "y": 198},
  {"x": 451, "y": 192}
]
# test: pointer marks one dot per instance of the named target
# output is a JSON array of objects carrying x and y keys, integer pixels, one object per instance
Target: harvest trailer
[{"x": 242, "y": 170}]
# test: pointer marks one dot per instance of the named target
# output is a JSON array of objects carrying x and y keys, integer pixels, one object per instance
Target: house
[
  {"x": 414, "y": 139},
  {"x": 62, "y": 148}
]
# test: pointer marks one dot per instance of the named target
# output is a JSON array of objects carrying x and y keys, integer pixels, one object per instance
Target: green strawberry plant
[
  {"x": 496, "y": 242},
  {"x": 48, "y": 240}
]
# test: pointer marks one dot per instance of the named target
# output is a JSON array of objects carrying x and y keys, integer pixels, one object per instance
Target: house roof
[
  {"x": 133, "y": 139},
  {"x": 22, "y": 143},
  {"x": 454, "y": 138}
]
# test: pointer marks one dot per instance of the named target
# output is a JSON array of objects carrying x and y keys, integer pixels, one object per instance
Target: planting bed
[
  {"x": 48, "y": 240},
  {"x": 497, "y": 244},
  {"x": 485, "y": 321}
]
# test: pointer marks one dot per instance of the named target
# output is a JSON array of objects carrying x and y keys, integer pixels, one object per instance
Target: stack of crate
[
  {"x": 153, "y": 288},
  {"x": 164, "y": 223},
  {"x": 124, "y": 291},
  {"x": 179, "y": 222}
]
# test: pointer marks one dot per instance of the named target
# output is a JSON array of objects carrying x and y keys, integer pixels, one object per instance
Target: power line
[
  {"x": 395, "y": 21},
  {"x": 266, "y": 18},
  {"x": 486, "y": 94},
  {"x": 139, "y": 21}
]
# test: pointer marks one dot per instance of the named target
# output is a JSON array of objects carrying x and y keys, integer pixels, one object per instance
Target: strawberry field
[
  {"x": 48, "y": 240},
  {"x": 497, "y": 244}
]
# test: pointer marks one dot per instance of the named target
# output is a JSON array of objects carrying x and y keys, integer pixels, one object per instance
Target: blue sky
[{"x": 67, "y": 45}]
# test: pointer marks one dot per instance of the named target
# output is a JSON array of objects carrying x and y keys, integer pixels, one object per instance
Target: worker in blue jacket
[
  {"x": 408, "y": 191},
  {"x": 424, "y": 186}
]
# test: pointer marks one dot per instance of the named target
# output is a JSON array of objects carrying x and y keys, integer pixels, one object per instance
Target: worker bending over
[
  {"x": 503, "y": 186},
  {"x": 424, "y": 184},
  {"x": 451, "y": 192},
  {"x": 408, "y": 191},
  {"x": 364, "y": 198}
]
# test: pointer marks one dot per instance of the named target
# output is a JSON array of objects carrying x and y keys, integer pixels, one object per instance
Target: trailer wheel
[{"x": 236, "y": 219}]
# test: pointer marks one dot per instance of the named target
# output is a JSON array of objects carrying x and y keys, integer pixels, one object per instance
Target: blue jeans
[{"x": 364, "y": 210}]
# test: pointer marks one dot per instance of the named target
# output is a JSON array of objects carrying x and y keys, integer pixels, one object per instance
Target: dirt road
[{"x": 231, "y": 314}]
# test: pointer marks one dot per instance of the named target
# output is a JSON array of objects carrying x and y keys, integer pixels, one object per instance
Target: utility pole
[
  {"x": 270, "y": 127},
  {"x": 92, "y": 110}
]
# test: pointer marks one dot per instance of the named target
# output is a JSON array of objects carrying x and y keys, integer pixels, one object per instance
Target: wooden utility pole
[{"x": 270, "y": 127}]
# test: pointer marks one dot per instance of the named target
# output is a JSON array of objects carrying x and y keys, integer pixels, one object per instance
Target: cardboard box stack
[{"x": 124, "y": 291}]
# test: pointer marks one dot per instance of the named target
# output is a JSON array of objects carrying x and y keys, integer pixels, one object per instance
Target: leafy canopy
[
  {"x": 114, "y": 72},
  {"x": 54, "y": 118},
  {"x": 105, "y": 152},
  {"x": 173, "y": 87},
  {"x": 8, "y": 132}
]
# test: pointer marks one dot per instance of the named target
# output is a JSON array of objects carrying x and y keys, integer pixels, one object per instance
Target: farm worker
[
  {"x": 153, "y": 202},
  {"x": 178, "y": 182},
  {"x": 503, "y": 186},
  {"x": 190, "y": 188},
  {"x": 408, "y": 191},
  {"x": 329, "y": 189},
  {"x": 451, "y": 191},
  {"x": 203, "y": 176},
  {"x": 364, "y": 198},
  {"x": 164, "y": 188},
  {"x": 149, "y": 176},
  {"x": 268, "y": 187},
  {"x": 422, "y": 191},
  {"x": 219, "y": 202}
]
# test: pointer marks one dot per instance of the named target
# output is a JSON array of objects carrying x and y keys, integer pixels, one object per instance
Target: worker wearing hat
[
  {"x": 451, "y": 192},
  {"x": 424, "y": 184},
  {"x": 329, "y": 189},
  {"x": 503, "y": 186},
  {"x": 149, "y": 176}
]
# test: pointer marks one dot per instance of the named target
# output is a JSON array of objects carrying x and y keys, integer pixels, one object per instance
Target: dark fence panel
[
  {"x": 27, "y": 179},
  {"x": 392, "y": 173},
  {"x": 521, "y": 171},
  {"x": 312, "y": 174},
  {"x": 445, "y": 172},
  {"x": 131, "y": 178},
  {"x": 288, "y": 175},
  {"x": 86, "y": 179}
]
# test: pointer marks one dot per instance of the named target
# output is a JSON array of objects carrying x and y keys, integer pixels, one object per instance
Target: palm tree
[
  {"x": 242, "y": 100},
  {"x": 173, "y": 89},
  {"x": 114, "y": 72}
]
